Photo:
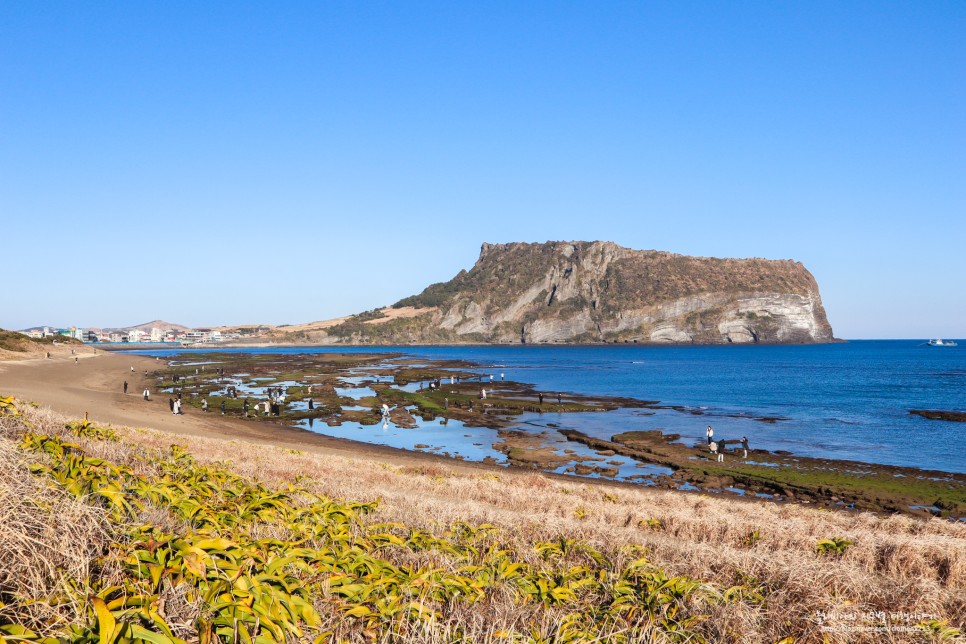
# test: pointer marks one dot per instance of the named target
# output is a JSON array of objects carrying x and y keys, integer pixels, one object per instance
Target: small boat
[{"x": 939, "y": 342}]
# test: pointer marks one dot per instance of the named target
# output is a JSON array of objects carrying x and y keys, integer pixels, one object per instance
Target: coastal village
[{"x": 163, "y": 333}]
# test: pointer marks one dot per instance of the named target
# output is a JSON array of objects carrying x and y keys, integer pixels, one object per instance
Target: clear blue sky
[{"x": 234, "y": 162}]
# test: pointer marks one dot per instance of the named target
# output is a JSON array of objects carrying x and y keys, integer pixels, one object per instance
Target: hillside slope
[{"x": 602, "y": 292}]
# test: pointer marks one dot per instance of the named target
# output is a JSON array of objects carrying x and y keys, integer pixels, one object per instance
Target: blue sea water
[{"x": 844, "y": 401}]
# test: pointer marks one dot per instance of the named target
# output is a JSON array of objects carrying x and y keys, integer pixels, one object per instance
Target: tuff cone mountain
[{"x": 600, "y": 292}]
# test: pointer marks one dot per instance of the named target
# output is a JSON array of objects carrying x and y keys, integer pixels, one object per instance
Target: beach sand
[{"x": 93, "y": 387}]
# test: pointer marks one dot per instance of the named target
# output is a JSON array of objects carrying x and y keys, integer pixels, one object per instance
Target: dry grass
[
  {"x": 897, "y": 564},
  {"x": 47, "y": 538}
]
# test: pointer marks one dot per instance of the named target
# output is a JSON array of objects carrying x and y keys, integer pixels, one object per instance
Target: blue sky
[{"x": 235, "y": 162}]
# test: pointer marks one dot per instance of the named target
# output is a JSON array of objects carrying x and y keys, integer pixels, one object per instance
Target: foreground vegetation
[{"x": 115, "y": 535}]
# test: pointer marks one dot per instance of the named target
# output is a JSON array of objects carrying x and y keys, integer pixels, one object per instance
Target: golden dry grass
[
  {"x": 47, "y": 538},
  {"x": 897, "y": 564}
]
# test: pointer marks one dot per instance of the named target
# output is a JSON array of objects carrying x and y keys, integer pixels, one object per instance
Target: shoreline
[
  {"x": 88, "y": 389},
  {"x": 92, "y": 388}
]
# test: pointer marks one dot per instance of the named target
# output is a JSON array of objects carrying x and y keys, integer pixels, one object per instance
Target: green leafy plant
[{"x": 835, "y": 546}]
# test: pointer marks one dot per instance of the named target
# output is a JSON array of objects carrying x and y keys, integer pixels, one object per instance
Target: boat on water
[{"x": 939, "y": 342}]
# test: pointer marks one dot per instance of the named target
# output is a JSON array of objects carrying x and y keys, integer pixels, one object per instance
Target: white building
[
  {"x": 157, "y": 335},
  {"x": 136, "y": 335}
]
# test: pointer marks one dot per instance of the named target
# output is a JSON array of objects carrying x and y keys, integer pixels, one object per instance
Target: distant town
[{"x": 140, "y": 335}]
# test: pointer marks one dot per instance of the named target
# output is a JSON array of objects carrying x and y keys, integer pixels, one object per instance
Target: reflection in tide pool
[
  {"x": 453, "y": 438},
  {"x": 355, "y": 393}
]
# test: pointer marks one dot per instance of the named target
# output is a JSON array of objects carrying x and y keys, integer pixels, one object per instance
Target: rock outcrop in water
[{"x": 602, "y": 292}]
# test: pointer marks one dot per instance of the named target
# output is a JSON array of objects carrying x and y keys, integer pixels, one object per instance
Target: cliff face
[{"x": 599, "y": 291}]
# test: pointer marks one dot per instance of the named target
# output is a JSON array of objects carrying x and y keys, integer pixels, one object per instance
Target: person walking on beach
[
  {"x": 245, "y": 407},
  {"x": 132, "y": 369},
  {"x": 709, "y": 432},
  {"x": 147, "y": 394},
  {"x": 75, "y": 359},
  {"x": 125, "y": 386},
  {"x": 171, "y": 404},
  {"x": 204, "y": 405},
  {"x": 222, "y": 406},
  {"x": 744, "y": 445}
]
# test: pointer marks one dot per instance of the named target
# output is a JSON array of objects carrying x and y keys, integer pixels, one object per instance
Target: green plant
[
  {"x": 652, "y": 523},
  {"x": 835, "y": 546},
  {"x": 941, "y": 630}
]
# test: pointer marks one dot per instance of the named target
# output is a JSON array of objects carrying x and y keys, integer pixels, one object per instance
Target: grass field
[{"x": 117, "y": 534}]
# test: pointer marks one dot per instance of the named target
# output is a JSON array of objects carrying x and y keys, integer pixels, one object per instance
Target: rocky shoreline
[{"x": 352, "y": 388}]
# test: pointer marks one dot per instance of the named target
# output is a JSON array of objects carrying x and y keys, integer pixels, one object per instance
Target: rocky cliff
[{"x": 601, "y": 292}]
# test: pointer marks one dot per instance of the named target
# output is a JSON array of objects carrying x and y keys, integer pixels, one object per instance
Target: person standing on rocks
[
  {"x": 709, "y": 432},
  {"x": 744, "y": 445},
  {"x": 540, "y": 398}
]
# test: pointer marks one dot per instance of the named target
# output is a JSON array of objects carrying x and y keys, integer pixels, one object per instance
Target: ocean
[{"x": 842, "y": 401}]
